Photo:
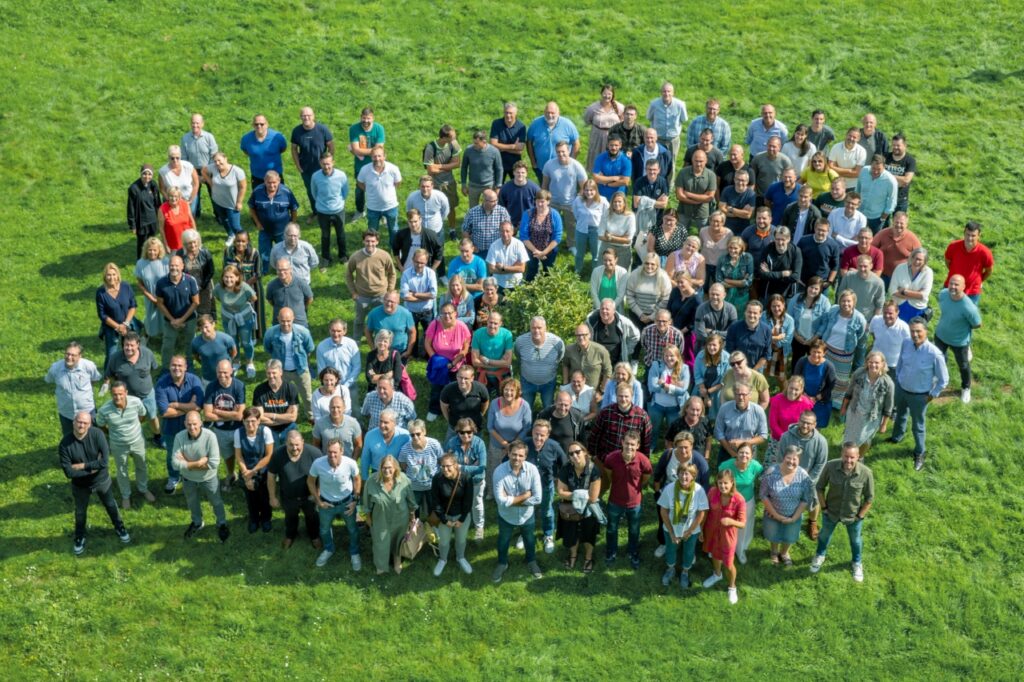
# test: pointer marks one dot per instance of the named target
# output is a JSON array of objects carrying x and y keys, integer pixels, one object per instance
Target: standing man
[
  {"x": 379, "y": 181},
  {"x": 740, "y": 422},
  {"x": 821, "y": 254},
  {"x": 813, "y": 447},
  {"x": 651, "y": 150},
  {"x": 545, "y": 132},
  {"x": 482, "y": 222},
  {"x": 848, "y": 223},
  {"x": 835, "y": 198},
  {"x": 298, "y": 252},
  {"x": 196, "y": 457},
  {"x": 666, "y": 114},
  {"x": 870, "y": 292},
  {"x": 877, "y": 188},
  {"x": 287, "y": 486},
  {"x": 290, "y": 342},
  {"x": 763, "y": 129},
  {"x": 507, "y": 256},
  {"x": 706, "y": 144},
  {"x": 517, "y": 490},
  {"x": 370, "y": 274},
  {"x": 612, "y": 169},
  {"x": 564, "y": 177},
  {"x": 223, "y": 405},
  {"x": 889, "y": 333},
  {"x": 971, "y": 259},
  {"x": 177, "y": 393},
  {"x": 630, "y": 470},
  {"x": 73, "y": 378},
  {"x": 958, "y": 318},
  {"x": 720, "y": 129},
  {"x": 136, "y": 366},
  {"x": 310, "y": 140},
  {"x": 801, "y": 215},
  {"x": 395, "y": 318},
  {"x": 434, "y": 206},
  {"x": 847, "y": 158},
  {"x": 121, "y": 418},
  {"x": 287, "y": 291},
  {"x": 334, "y": 483},
  {"x": 733, "y": 164},
  {"x": 464, "y": 398},
  {"x": 768, "y": 167},
  {"x": 781, "y": 194},
  {"x": 590, "y": 358},
  {"x": 871, "y": 138},
  {"x": 177, "y": 297},
  {"x": 820, "y": 135},
  {"x": 362, "y": 138},
  {"x": 518, "y": 195},
  {"x": 628, "y": 130},
  {"x": 143, "y": 208},
  {"x": 198, "y": 148},
  {"x": 752, "y": 336},
  {"x": 481, "y": 168},
  {"x": 896, "y": 244},
  {"x": 920, "y": 377},
  {"x": 418, "y": 290},
  {"x": 278, "y": 402},
  {"x": 264, "y": 146},
  {"x": 84, "y": 457},
  {"x": 696, "y": 185},
  {"x": 272, "y": 206},
  {"x": 540, "y": 353},
  {"x": 387, "y": 399},
  {"x": 440, "y": 158},
  {"x": 508, "y": 134},
  {"x": 846, "y": 490},
  {"x": 713, "y": 316},
  {"x": 614, "y": 331},
  {"x": 328, "y": 191},
  {"x": 903, "y": 167},
  {"x": 613, "y": 423},
  {"x": 342, "y": 353}
]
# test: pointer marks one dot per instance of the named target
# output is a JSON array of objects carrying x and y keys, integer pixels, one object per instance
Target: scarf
[{"x": 680, "y": 507}]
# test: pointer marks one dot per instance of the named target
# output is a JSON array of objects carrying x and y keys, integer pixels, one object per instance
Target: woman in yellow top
[{"x": 818, "y": 175}]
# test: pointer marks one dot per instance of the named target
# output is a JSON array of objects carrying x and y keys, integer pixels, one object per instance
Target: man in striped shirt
[{"x": 540, "y": 354}]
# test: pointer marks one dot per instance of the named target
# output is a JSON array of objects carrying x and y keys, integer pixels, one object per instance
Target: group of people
[{"x": 726, "y": 333}]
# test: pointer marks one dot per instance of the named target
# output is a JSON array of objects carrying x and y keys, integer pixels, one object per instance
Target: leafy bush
[{"x": 558, "y": 295}]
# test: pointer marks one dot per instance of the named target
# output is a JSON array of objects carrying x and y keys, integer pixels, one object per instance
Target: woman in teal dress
[{"x": 390, "y": 508}]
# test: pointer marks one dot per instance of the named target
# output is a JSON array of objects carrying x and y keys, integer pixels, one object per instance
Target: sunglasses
[
  {"x": 575, "y": 452},
  {"x": 465, "y": 433},
  {"x": 738, "y": 363}
]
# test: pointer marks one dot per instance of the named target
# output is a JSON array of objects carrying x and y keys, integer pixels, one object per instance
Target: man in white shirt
[
  {"x": 335, "y": 484},
  {"x": 848, "y": 223},
  {"x": 380, "y": 180},
  {"x": 342, "y": 353},
  {"x": 847, "y": 157},
  {"x": 889, "y": 333},
  {"x": 507, "y": 257},
  {"x": 433, "y": 206}
]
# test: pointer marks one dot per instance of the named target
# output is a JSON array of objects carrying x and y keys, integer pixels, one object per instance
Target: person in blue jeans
[
  {"x": 517, "y": 490},
  {"x": 335, "y": 484},
  {"x": 846, "y": 490},
  {"x": 630, "y": 471},
  {"x": 549, "y": 457}
]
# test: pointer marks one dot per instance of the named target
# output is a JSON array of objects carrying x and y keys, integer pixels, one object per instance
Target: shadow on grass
[
  {"x": 89, "y": 263},
  {"x": 29, "y": 464},
  {"x": 85, "y": 295},
  {"x": 992, "y": 75},
  {"x": 34, "y": 386}
]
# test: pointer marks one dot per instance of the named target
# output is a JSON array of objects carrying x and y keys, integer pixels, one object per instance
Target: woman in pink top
[
  {"x": 784, "y": 409},
  {"x": 727, "y": 513},
  {"x": 448, "y": 337}
]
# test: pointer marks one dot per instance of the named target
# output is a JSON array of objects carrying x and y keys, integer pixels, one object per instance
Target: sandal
[
  {"x": 570, "y": 562},
  {"x": 786, "y": 559},
  {"x": 775, "y": 558},
  {"x": 588, "y": 566}
]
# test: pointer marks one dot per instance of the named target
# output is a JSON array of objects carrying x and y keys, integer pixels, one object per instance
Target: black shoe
[
  {"x": 192, "y": 529},
  {"x": 919, "y": 462},
  {"x": 253, "y": 526},
  {"x": 267, "y": 526},
  {"x": 893, "y": 439},
  {"x": 223, "y": 532},
  {"x": 609, "y": 560},
  {"x": 157, "y": 440},
  {"x": 634, "y": 561},
  {"x": 123, "y": 536}
]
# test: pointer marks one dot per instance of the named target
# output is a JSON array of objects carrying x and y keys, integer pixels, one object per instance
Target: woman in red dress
[
  {"x": 175, "y": 217},
  {"x": 727, "y": 513}
]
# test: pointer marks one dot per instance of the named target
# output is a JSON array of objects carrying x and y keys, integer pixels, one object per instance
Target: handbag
[
  {"x": 405, "y": 383},
  {"x": 435, "y": 520},
  {"x": 567, "y": 512},
  {"x": 414, "y": 540}
]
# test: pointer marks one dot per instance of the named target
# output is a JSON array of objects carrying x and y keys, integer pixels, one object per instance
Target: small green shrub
[{"x": 558, "y": 295}]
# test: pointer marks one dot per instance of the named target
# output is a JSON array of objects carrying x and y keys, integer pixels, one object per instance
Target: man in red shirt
[
  {"x": 630, "y": 470},
  {"x": 863, "y": 247},
  {"x": 612, "y": 423},
  {"x": 970, "y": 258}
]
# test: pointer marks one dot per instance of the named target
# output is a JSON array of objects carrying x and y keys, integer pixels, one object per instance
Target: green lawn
[{"x": 94, "y": 89}]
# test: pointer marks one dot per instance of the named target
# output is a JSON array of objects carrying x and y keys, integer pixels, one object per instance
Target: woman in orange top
[{"x": 175, "y": 217}]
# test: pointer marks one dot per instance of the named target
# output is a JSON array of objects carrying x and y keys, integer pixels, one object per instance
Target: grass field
[{"x": 93, "y": 89}]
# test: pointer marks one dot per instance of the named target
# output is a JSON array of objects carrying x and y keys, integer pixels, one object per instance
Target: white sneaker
[
  {"x": 357, "y": 563},
  {"x": 229, "y": 241},
  {"x": 465, "y": 566},
  {"x": 711, "y": 580},
  {"x": 235, "y": 367},
  {"x": 858, "y": 573},
  {"x": 660, "y": 552},
  {"x": 519, "y": 543},
  {"x": 733, "y": 596},
  {"x": 431, "y": 417},
  {"x": 965, "y": 396},
  {"x": 250, "y": 371},
  {"x": 439, "y": 568},
  {"x": 358, "y": 215},
  {"x": 817, "y": 562},
  {"x": 549, "y": 544},
  {"x": 324, "y": 557}
]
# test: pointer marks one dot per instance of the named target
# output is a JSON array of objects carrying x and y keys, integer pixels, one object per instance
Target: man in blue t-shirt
[
  {"x": 395, "y": 319},
  {"x": 508, "y": 134},
  {"x": 264, "y": 146},
  {"x": 612, "y": 169}
]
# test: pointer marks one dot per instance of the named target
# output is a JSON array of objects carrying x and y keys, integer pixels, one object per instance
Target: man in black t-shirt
[
  {"x": 278, "y": 402},
  {"x": 464, "y": 398},
  {"x": 286, "y": 485},
  {"x": 903, "y": 166}
]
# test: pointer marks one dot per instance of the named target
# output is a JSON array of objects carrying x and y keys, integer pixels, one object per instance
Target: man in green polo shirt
[
  {"x": 846, "y": 490},
  {"x": 121, "y": 418}
]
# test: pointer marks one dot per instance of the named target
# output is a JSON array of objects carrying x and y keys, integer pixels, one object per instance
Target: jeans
[
  {"x": 336, "y": 221},
  {"x": 533, "y": 265},
  {"x": 111, "y": 342},
  {"x": 912, "y": 406},
  {"x": 853, "y": 530},
  {"x": 478, "y": 503},
  {"x": 547, "y": 393},
  {"x": 444, "y": 539},
  {"x": 547, "y": 511},
  {"x": 281, "y": 436},
  {"x": 307, "y": 178},
  {"x": 173, "y": 475},
  {"x": 963, "y": 361},
  {"x": 228, "y": 218},
  {"x": 326, "y": 533},
  {"x": 615, "y": 513},
  {"x": 876, "y": 224},
  {"x": 177, "y": 341},
  {"x": 82, "y": 495},
  {"x": 267, "y": 237},
  {"x": 390, "y": 217},
  {"x": 586, "y": 243},
  {"x": 689, "y": 546},
  {"x": 657, "y": 413},
  {"x": 244, "y": 338},
  {"x": 505, "y": 532},
  {"x": 211, "y": 489}
]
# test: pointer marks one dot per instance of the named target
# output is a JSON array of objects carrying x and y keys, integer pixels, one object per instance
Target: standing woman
[
  {"x": 143, "y": 208},
  {"x": 819, "y": 380},
  {"x": 115, "y": 306},
  {"x": 540, "y": 231},
  {"x": 784, "y": 410},
  {"x": 181, "y": 175},
  {"x": 238, "y": 312},
  {"x": 199, "y": 264},
  {"x": 745, "y": 471},
  {"x": 806, "y": 309},
  {"x": 390, "y": 509},
  {"x": 471, "y": 454},
  {"x": 799, "y": 149},
  {"x": 254, "y": 446},
  {"x": 174, "y": 219},
  {"x": 452, "y": 493},
  {"x": 868, "y": 405},
  {"x": 682, "y": 304},
  {"x": 668, "y": 381},
  {"x": 682, "y": 507},
  {"x": 579, "y": 484},
  {"x": 727, "y": 513},
  {"x": 782, "y": 326},
  {"x": 714, "y": 240},
  {"x": 382, "y": 362},
  {"x": 227, "y": 191},
  {"x": 148, "y": 271},
  {"x": 449, "y": 338},
  {"x": 786, "y": 491},
  {"x": 842, "y": 329},
  {"x": 735, "y": 270},
  {"x": 622, "y": 373},
  {"x": 509, "y": 418},
  {"x": 608, "y": 281},
  {"x": 817, "y": 174},
  {"x": 709, "y": 368},
  {"x": 911, "y": 284},
  {"x": 590, "y": 209},
  {"x": 618, "y": 229},
  {"x": 246, "y": 258},
  {"x": 601, "y": 116},
  {"x": 330, "y": 388},
  {"x": 666, "y": 237},
  {"x": 419, "y": 460}
]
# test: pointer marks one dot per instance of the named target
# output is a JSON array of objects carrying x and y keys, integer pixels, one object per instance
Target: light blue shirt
[
  {"x": 303, "y": 259},
  {"x": 732, "y": 423},
  {"x": 563, "y": 181},
  {"x": 375, "y": 449},
  {"x": 544, "y": 139},
  {"x": 508, "y": 485},
  {"x": 921, "y": 369},
  {"x": 757, "y": 136},
  {"x": 419, "y": 283},
  {"x": 343, "y": 357},
  {"x": 73, "y": 386},
  {"x": 301, "y": 346},
  {"x": 329, "y": 191},
  {"x": 957, "y": 320},
  {"x": 721, "y": 129},
  {"x": 434, "y": 210},
  {"x": 877, "y": 195},
  {"x": 667, "y": 119}
]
